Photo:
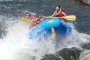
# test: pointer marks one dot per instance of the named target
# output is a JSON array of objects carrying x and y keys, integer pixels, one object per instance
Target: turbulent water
[{"x": 14, "y": 42}]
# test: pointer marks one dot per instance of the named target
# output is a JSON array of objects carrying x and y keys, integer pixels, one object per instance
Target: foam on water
[
  {"x": 17, "y": 46},
  {"x": 75, "y": 39}
]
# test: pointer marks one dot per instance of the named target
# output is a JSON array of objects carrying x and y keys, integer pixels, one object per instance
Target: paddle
[
  {"x": 69, "y": 17},
  {"x": 23, "y": 18}
]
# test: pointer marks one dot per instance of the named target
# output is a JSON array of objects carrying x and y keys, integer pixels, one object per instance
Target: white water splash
[
  {"x": 75, "y": 39},
  {"x": 17, "y": 46}
]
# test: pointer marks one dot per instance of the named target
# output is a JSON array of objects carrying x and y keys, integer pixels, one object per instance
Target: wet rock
[
  {"x": 69, "y": 54},
  {"x": 65, "y": 54},
  {"x": 86, "y": 46},
  {"x": 51, "y": 57},
  {"x": 85, "y": 55}
]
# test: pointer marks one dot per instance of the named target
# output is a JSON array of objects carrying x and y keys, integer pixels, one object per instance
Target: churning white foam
[{"x": 17, "y": 46}]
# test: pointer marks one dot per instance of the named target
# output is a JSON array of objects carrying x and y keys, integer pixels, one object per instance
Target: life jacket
[{"x": 61, "y": 15}]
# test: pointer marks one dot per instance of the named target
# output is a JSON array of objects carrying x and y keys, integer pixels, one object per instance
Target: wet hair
[
  {"x": 59, "y": 6},
  {"x": 37, "y": 15}
]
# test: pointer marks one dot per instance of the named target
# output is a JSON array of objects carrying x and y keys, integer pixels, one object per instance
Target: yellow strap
[{"x": 52, "y": 30}]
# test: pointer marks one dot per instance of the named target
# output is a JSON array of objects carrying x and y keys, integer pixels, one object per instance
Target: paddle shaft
[{"x": 69, "y": 17}]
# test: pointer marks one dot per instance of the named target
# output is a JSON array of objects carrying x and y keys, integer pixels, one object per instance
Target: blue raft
[{"x": 43, "y": 29}]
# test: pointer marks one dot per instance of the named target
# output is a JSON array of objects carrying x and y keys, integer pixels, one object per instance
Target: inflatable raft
[{"x": 43, "y": 29}]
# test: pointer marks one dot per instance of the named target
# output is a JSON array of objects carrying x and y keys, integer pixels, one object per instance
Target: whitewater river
[{"x": 14, "y": 41}]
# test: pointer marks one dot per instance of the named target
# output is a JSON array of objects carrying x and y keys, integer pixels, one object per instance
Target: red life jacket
[{"x": 61, "y": 15}]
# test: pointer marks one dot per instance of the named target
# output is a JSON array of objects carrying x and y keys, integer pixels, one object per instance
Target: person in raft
[
  {"x": 33, "y": 19},
  {"x": 59, "y": 12}
]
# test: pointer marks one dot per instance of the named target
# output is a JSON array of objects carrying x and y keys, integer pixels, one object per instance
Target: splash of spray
[{"x": 17, "y": 46}]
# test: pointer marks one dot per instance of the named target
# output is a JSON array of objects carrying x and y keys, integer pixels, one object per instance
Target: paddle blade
[
  {"x": 70, "y": 17},
  {"x": 23, "y": 18}
]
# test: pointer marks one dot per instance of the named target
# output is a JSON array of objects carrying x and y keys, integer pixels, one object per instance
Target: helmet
[{"x": 27, "y": 14}]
